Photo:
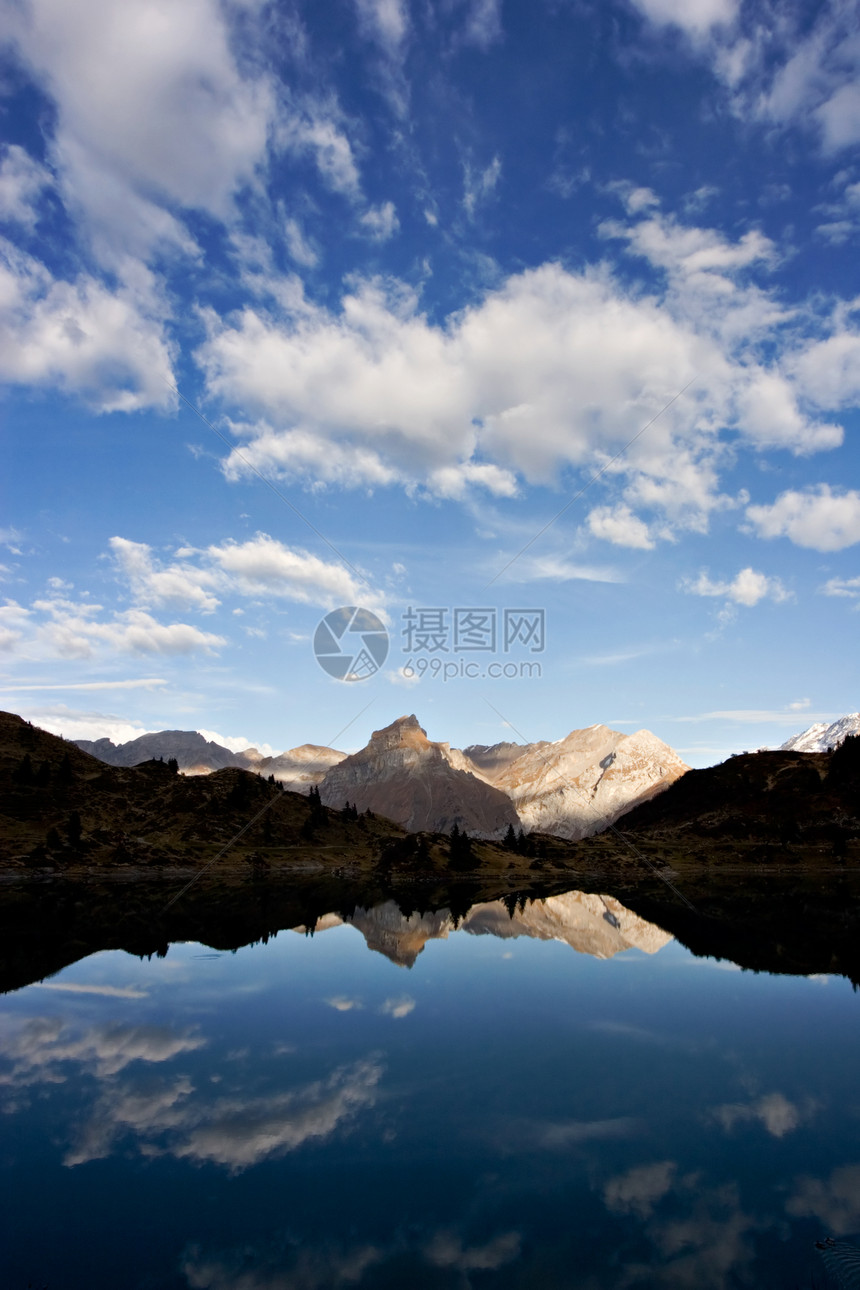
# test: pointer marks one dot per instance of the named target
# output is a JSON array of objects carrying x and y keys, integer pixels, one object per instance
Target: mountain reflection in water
[
  {"x": 590, "y": 924},
  {"x": 302, "y": 1114}
]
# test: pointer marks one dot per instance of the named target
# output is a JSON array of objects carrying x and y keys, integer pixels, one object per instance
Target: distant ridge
[
  {"x": 570, "y": 788},
  {"x": 298, "y": 769},
  {"x": 822, "y": 737}
]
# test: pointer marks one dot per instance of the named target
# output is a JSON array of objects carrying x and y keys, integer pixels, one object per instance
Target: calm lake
[{"x": 566, "y": 1097}]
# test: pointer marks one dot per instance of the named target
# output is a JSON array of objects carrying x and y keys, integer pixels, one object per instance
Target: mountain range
[
  {"x": 822, "y": 737},
  {"x": 588, "y": 922},
  {"x": 569, "y": 788}
]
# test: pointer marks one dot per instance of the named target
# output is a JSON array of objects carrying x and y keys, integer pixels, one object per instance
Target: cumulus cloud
[
  {"x": 618, "y": 524},
  {"x": 106, "y": 346},
  {"x": 261, "y": 566},
  {"x": 778, "y": 1115},
  {"x": 551, "y": 370},
  {"x": 822, "y": 518},
  {"x": 747, "y": 588},
  {"x": 124, "y": 167},
  {"x": 60, "y": 628},
  {"x": 75, "y": 724},
  {"x": 178, "y": 584},
  {"x": 834, "y": 1201}
]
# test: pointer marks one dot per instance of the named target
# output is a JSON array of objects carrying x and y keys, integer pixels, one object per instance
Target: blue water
[{"x": 506, "y": 1113}]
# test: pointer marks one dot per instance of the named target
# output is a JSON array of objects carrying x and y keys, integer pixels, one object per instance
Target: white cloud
[
  {"x": 478, "y": 185},
  {"x": 66, "y": 629},
  {"x": 828, "y": 371},
  {"x": 747, "y": 588},
  {"x": 315, "y": 129},
  {"x": 105, "y": 346},
  {"x": 820, "y": 518},
  {"x": 640, "y": 1189},
  {"x": 343, "y": 1003},
  {"x": 236, "y": 743},
  {"x": 123, "y": 78},
  {"x": 554, "y": 568},
  {"x": 385, "y": 21},
  {"x": 380, "y": 222},
  {"x": 847, "y": 587},
  {"x": 447, "y": 1250},
  {"x": 551, "y": 370},
  {"x": 41, "y": 1045},
  {"x": 239, "y": 1132},
  {"x": 301, "y": 250},
  {"x": 695, "y": 17},
  {"x": 73, "y": 724},
  {"x": 398, "y": 1007},
  {"x": 780, "y": 69},
  {"x": 834, "y": 1201},
  {"x": 778, "y": 1115},
  {"x": 618, "y": 524},
  {"x": 108, "y": 991},
  {"x": 483, "y": 23},
  {"x": 301, "y": 1267},
  {"x": 178, "y": 584},
  {"x": 22, "y": 181},
  {"x": 261, "y": 566},
  {"x": 264, "y": 566}
]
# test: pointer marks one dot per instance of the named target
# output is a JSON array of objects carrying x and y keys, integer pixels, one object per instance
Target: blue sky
[{"x": 434, "y": 273}]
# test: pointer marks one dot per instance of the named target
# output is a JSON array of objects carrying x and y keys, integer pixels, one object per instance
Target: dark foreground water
[{"x": 394, "y": 1102}]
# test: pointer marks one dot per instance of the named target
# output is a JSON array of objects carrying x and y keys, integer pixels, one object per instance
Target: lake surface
[{"x": 399, "y": 1102}]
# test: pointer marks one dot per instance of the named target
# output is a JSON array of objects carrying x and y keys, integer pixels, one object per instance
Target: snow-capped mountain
[{"x": 822, "y": 737}]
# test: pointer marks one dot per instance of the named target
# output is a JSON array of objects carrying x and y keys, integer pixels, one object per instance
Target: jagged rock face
[
  {"x": 823, "y": 737},
  {"x": 422, "y": 785},
  {"x": 590, "y": 924},
  {"x": 581, "y": 784},
  {"x": 297, "y": 769}
]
